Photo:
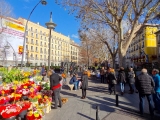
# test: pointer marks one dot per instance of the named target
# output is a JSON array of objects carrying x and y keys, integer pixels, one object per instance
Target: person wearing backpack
[
  {"x": 122, "y": 79},
  {"x": 131, "y": 78}
]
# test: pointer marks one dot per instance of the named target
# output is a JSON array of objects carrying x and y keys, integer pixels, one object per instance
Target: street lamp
[
  {"x": 43, "y": 2},
  {"x": 50, "y": 25}
]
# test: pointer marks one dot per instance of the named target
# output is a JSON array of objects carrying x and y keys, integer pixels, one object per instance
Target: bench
[{"x": 71, "y": 86}]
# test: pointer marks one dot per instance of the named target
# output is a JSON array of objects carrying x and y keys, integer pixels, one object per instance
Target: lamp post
[
  {"x": 50, "y": 25},
  {"x": 43, "y": 2}
]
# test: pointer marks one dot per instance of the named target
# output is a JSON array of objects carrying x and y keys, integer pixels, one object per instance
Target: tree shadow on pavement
[
  {"x": 98, "y": 89},
  {"x": 85, "y": 116},
  {"x": 68, "y": 94}
]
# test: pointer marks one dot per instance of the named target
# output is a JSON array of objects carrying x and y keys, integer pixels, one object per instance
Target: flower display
[{"x": 19, "y": 86}]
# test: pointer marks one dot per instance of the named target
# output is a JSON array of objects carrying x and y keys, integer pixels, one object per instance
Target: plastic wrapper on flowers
[
  {"x": 9, "y": 110},
  {"x": 47, "y": 93}
]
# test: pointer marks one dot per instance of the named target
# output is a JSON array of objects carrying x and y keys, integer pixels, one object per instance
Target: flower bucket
[
  {"x": 48, "y": 108},
  {"x": 23, "y": 114}
]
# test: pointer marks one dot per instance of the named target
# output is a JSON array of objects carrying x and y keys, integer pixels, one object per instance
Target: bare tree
[
  {"x": 92, "y": 48},
  {"x": 112, "y": 13},
  {"x": 5, "y": 11}
]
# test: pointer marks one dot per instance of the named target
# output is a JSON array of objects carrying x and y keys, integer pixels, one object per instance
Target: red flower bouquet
[
  {"x": 4, "y": 100},
  {"x": 9, "y": 110}
]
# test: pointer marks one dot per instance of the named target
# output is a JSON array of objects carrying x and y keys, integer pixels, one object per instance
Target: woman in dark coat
[
  {"x": 122, "y": 79},
  {"x": 84, "y": 84},
  {"x": 112, "y": 81}
]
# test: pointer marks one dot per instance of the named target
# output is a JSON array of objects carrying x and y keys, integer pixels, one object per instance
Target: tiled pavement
[{"x": 97, "y": 94}]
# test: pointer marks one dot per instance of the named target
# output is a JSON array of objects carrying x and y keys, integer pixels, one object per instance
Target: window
[
  {"x": 26, "y": 33},
  {"x": 26, "y": 47},
  {"x": 36, "y": 35},
  {"x": 36, "y": 55},
  {"x": 31, "y": 47},
  {"x": 36, "y": 30},
  {"x": 32, "y": 34},
  {"x": 41, "y": 43},
  {"x": 26, "y": 40},
  {"x": 41, "y": 38},
  {"x": 36, "y": 49},
  {"x": 31, "y": 29},
  {"x": 36, "y": 42},
  {"x": 31, "y": 41},
  {"x": 41, "y": 56},
  {"x": 41, "y": 49}
]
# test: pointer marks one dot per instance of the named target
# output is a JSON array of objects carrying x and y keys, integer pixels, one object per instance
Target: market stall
[{"x": 23, "y": 94}]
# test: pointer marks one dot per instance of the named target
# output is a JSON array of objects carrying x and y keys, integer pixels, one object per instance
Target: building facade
[
  {"x": 143, "y": 48},
  {"x": 158, "y": 45},
  {"x": 63, "y": 49}
]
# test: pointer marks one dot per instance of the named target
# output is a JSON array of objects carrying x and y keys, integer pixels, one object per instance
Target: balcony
[
  {"x": 32, "y": 50},
  {"x": 36, "y": 58},
  {"x": 37, "y": 51},
  {"x": 42, "y": 45},
  {"x": 31, "y": 58},
  {"x": 41, "y": 52},
  {"x": 27, "y": 42},
  {"x": 45, "y": 45}
]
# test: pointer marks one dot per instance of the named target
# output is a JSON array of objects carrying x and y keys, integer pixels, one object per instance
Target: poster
[{"x": 12, "y": 35}]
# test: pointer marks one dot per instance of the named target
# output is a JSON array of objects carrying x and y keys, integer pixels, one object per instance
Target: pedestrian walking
[
  {"x": 145, "y": 85},
  {"x": 84, "y": 84},
  {"x": 102, "y": 73},
  {"x": 43, "y": 72},
  {"x": 122, "y": 79},
  {"x": 156, "y": 95},
  {"x": 55, "y": 86},
  {"x": 131, "y": 80},
  {"x": 112, "y": 81}
]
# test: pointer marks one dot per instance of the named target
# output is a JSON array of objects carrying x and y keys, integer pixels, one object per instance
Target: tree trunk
[{"x": 113, "y": 61}]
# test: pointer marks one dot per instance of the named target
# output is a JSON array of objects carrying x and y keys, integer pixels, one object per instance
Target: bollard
[
  {"x": 117, "y": 100},
  {"x": 97, "y": 107}
]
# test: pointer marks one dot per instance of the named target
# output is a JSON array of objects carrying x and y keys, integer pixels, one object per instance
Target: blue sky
[{"x": 66, "y": 24}]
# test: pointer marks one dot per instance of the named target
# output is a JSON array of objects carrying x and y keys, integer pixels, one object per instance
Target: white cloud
[{"x": 75, "y": 36}]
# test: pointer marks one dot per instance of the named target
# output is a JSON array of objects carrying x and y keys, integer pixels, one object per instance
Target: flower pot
[
  {"x": 23, "y": 114},
  {"x": 11, "y": 118}
]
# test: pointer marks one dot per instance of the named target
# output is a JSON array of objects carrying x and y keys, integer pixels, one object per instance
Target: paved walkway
[{"x": 97, "y": 94}]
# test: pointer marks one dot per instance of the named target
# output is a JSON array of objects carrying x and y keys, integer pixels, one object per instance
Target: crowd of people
[{"x": 144, "y": 84}]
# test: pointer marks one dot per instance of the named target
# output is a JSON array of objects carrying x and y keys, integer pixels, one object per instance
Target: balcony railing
[
  {"x": 32, "y": 58},
  {"x": 37, "y": 44},
  {"x": 32, "y": 50},
  {"x": 32, "y": 43}
]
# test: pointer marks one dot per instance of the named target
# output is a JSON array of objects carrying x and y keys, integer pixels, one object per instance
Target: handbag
[{"x": 114, "y": 82}]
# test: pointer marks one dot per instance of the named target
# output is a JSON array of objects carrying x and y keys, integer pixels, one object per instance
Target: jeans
[
  {"x": 131, "y": 87},
  {"x": 156, "y": 99},
  {"x": 112, "y": 88},
  {"x": 102, "y": 78},
  {"x": 57, "y": 97},
  {"x": 76, "y": 83},
  {"x": 122, "y": 84},
  {"x": 142, "y": 101}
]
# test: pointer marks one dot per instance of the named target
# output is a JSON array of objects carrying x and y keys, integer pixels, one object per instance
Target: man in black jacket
[{"x": 145, "y": 85}]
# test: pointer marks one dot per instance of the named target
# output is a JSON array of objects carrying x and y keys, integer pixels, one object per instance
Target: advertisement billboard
[{"x": 12, "y": 35}]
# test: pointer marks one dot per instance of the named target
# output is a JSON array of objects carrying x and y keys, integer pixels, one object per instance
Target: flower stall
[{"x": 24, "y": 95}]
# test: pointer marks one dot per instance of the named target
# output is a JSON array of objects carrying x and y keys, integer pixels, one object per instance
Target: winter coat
[
  {"x": 121, "y": 76},
  {"x": 156, "y": 79},
  {"x": 85, "y": 82},
  {"x": 55, "y": 79},
  {"x": 110, "y": 77},
  {"x": 131, "y": 76},
  {"x": 144, "y": 84}
]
